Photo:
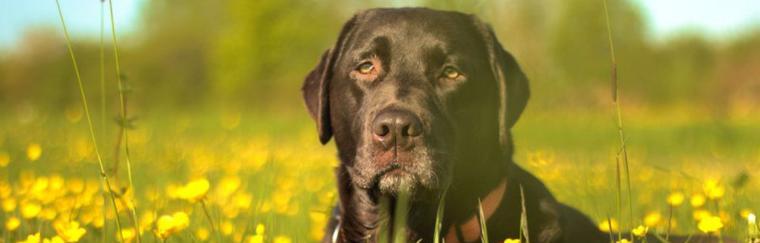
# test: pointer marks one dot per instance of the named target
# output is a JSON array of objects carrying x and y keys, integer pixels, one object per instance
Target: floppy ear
[
  {"x": 316, "y": 86},
  {"x": 511, "y": 81},
  {"x": 315, "y": 95}
]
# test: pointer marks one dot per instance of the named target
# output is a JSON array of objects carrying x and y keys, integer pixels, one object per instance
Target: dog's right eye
[{"x": 366, "y": 68}]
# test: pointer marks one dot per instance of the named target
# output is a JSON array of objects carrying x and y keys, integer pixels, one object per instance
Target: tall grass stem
[
  {"x": 616, "y": 100},
  {"x": 86, "y": 108},
  {"x": 482, "y": 218},
  {"x": 439, "y": 216},
  {"x": 123, "y": 104}
]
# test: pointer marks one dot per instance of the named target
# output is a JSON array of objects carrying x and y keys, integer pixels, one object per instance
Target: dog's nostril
[
  {"x": 411, "y": 130},
  {"x": 396, "y": 127},
  {"x": 381, "y": 129}
]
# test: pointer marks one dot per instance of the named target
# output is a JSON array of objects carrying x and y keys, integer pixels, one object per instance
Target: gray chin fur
[
  {"x": 397, "y": 183},
  {"x": 420, "y": 174}
]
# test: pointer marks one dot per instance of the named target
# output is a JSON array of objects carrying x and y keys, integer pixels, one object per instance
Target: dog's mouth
[
  {"x": 409, "y": 172},
  {"x": 395, "y": 179}
]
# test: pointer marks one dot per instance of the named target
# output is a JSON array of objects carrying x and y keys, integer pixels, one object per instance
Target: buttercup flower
[
  {"x": 128, "y": 234},
  {"x": 30, "y": 210},
  {"x": 640, "y": 231},
  {"x": 33, "y": 151},
  {"x": 55, "y": 239},
  {"x": 282, "y": 239},
  {"x": 33, "y": 238},
  {"x": 12, "y": 223},
  {"x": 194, "y": 190},
  {"x": 697, "y": 200},
  {"x": 652, "y": 219},
  {"x": 202, "y": 234},
  {"x": 258, "y": 237},
  {"x": 170, "y": 224},
  {"x": 710, "y": 224},
  {"x": 4, "y": 158},
  {"x": 609, "y": 225},
  {"x": 713, "y": 189},
  {"x": 9, "y": 204},
  {"x": 675, "y": 199},
  {"x": 69, "y": 231},
  {"x": 701, "y": 214},
  {"x": 512, "y": 241}
]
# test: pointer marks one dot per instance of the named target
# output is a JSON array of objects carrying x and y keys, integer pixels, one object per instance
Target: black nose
[{"x": 396, "y": 128}]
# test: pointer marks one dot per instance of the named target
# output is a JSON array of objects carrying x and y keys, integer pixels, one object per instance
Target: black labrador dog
[{"x": 421, "y": 102}]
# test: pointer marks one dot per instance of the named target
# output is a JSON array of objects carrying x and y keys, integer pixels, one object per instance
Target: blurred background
[
  {"x": 214, "y": 91},
  {"x": 192, "y": 55}
]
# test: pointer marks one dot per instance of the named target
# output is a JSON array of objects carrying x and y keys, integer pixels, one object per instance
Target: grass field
[
  {"x": 269, "y": 179},
  {"x": 231, "y": 176}
]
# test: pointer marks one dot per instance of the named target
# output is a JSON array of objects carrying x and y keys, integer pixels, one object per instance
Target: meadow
[
  {"x": 264, "y": 177},
  {"x": 206, "y": 163}
]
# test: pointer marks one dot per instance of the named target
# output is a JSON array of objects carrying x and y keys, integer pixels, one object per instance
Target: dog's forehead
[{"x": 416, "y": 25}]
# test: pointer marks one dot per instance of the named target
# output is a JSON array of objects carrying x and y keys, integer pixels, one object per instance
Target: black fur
[{"x": 465, "y": 123}]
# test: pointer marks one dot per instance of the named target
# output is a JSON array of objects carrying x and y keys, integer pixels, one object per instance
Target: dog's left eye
[
  {"x": 366, "y": 68},
  {"x": 451, "y": 73}
]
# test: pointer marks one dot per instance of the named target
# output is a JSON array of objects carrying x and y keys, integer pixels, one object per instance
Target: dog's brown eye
[
  {"x": 366, "y": 68},
  {"x": 451, "y": 73}
]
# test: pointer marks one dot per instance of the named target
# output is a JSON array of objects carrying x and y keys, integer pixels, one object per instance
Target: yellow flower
[
  {"x": 700, "y": 214},
  {"x": 55, "y": 239},
  {"x": 33, "y": 238},
  {"x": 12, "y": 223},
  {"x": 256, "y": 239},
  {"x": 227, "y": 228},
  {"x": 30, "y": 210},
  {"x": 652, "y": 219},
  {"x": 675, "y": 199},
  {"x": 260, "y": 229},
  {"x": 753, "y": 230},
  {"x": 710, "y": 224},
  {"x": 713, "y": 189},
  {"x": 623, "y": 241},
  {"x": 33, "y": 151},
  {"x": 5, "y": 190},
  {"x": 609, "y": 225},
  {"x": 194, "y": 190},
  {"x": 69, "y": 231},
  {"x": 282, "y": 239},
  {"x": 128, "y": 234},
  {"x": 9, "y": 204},
  {"x": 146, "y": 220},
  {"x": 228, "y": 185},
  {"x": 640, "y": 231},
  {"x": 512, "y": 241},
  {"x": 5, "y": 159},
  {"x": 202, "y": 234},
  {"x": 697, "y": 200},
  {"x": 170, "y": 224},
  {"x": 318, "y": 221},
  {"x": 48, "y": 213}
]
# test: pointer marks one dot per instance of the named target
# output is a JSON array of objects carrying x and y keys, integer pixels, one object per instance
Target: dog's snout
[{"x": 396, "y": 128}]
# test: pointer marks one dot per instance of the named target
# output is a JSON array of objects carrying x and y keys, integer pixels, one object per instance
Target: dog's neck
[
  {"x": 363, "y": 217},
  {"x": 470, "y": 230}
]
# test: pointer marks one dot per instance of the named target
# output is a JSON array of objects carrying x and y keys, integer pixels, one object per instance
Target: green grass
[{"x": 278, "y": 157}]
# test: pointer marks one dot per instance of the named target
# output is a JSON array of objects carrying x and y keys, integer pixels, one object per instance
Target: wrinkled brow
[{"x": 379, "y": 46}]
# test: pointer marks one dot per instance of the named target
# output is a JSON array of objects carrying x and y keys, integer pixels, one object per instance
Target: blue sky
[
  {"x": 82, "y": 17},
  {"x": 717, "y": 19}
]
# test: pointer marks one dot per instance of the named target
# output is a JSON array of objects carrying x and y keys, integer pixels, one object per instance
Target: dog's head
[{"x": 406, "y": 92}]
